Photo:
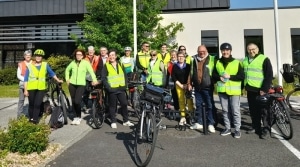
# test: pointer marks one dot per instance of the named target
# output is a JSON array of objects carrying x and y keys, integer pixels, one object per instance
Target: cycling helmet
[
  {"x": 127, "y": 48},
  {"x": 39, "y": 52},
  {"x": 263, "y": 99},
  {"x": 226, "y": 46}
]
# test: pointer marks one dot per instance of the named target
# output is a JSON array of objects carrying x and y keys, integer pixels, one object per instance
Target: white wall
[{"x": 231, "y": 25}]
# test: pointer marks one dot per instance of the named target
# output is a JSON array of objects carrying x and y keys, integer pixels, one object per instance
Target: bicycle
[
  {"x": 279, "y": 111},
  {"x": 289, "y": 74},
  {"x": 59, "y": 98},
  {"x": 136, "y": 89},
  {"x": 98, "y": 106},
  {"x": 146, "y": 131}
]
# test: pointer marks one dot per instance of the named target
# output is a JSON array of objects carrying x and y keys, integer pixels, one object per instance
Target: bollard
[{"x": 204, "y": 118}]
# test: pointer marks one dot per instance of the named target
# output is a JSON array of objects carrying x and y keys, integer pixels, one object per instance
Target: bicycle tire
[
  {"x": 98, "y": 114},
  {"x": 283, "y": 120},
  {"x": 64, "y": 108},
  {"x": 54, "y": 99},
  {"x": 136, "y": 104},
  {"x": 293, "y": 104},
  {"x": 144, "y": 146}
]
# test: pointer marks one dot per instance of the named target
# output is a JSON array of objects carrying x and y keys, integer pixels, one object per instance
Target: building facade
[{"x": 48, "y": 24}]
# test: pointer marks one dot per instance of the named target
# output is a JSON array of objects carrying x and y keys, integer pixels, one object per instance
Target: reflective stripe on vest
[
  {"x": 114, "y": 79},
  {"x": 37, "y": 78},
  {"x": 94, "y": 63},
  {"x": 155, "y": 75},
  {"x": 254, "y": 71},
  {"x": 229, "y": 87},
  {"x": 144, "y": 59},
  {"x": 127, "y": 65}
]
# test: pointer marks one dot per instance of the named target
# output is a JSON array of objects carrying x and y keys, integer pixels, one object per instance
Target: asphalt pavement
[{"x": 83, "y": 145}]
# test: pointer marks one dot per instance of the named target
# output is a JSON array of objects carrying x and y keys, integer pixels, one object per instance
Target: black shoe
[
  {"x": 264, "y": 134},
  {"x": 250, "y": 131}
]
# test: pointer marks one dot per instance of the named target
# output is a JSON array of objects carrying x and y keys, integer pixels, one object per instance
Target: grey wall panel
[
  {"x": 39, "y": 7},
  {"x": 68, "y": 8},
  {"x": 185, "y": 4},
  {"x": 171, "y": 4},
  {"x": 74, "y": 6},
  {"x": 56, "y": 7},
  {"x": 200, "y": 3},
  {"x": 32, "y": 8},
  {"x": 225, "y": 3},
  {"x": 62, "y": 6},
  {"x": 21, "y": 8},
  {"x": 215, "y": 3},
  {"x": 193, "y": 3},
  {"x": 50, "y": 6},
  {"x": 81, "y": 6},
  {"x": 11, "y": 5},
  {"x": 207, "y": 4}
]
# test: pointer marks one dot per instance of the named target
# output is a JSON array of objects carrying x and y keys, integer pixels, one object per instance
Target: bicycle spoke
[{"x": 283, "y": 120}]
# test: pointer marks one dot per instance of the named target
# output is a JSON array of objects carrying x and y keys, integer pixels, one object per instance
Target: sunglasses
[
  {"x": 182, "y": 49},
  {"x": 147, "y": 46},
  {"x": 153, "y": 55}
]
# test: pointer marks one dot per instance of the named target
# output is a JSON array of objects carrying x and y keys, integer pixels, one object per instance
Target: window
[
  {"x": 295, "y": 37},
  {"x": 210, "y": 38},
  {"x": 254, "y": 36}
]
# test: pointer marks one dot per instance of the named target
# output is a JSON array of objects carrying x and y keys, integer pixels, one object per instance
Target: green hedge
[
  {"x": 8, "y": 76},
  {"x": 59, "y": 63}
]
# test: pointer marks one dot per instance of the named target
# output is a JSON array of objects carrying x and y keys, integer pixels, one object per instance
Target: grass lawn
[{"x": 13, "y": 90}]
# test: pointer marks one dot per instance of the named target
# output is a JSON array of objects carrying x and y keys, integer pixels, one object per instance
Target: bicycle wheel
[
  {"x": 145, "y": 139},
  {"x": 136, "y": 103},
  {"x": 293, "y": 104},
  {"x": 98, "y": 113},
  {"x": 283, "y": 120},
  {"x": 64, "y": 107}
]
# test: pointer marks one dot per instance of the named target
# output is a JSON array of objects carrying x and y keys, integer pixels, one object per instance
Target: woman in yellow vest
[
  {"x": 156, "y": 70},
  {"x": 115, "y": 82},
  {"x": 35, "y": 84},
  {"x": 229, "y": 75}
]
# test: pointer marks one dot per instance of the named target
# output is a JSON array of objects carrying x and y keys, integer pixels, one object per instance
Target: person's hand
[
  {"x": 226, "y": 76},
  {"x": 60, "y": 81},
  {"x": 146, "y": 72},
  {"x": 184, "y": 86},
  {"x": 26, "y": 93},
  {"x": 222, "y": 79},
  {"x": 262, "y": 92},
  {"x": 94, "y": 83},
  {"x": 190, "y": 87}
]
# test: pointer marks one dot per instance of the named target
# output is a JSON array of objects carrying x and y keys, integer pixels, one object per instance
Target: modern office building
[{"x": 48, "y": 24}]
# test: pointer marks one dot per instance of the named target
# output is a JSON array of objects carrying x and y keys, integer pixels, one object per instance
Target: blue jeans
[
  {"x": 204, "y": 96},
  {"x": 231, "y": 107},
  {"x": 143, "y": 77}
]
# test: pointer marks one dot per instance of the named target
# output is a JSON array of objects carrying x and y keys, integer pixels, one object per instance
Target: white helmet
[{"x": 127, "y": 48}]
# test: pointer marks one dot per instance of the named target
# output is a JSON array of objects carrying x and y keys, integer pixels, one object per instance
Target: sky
[{"x": 238, "y": 4}]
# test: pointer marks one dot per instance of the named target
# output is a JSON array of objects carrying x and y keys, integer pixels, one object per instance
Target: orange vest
[
  {"x": 23, "y": 67},
  {"x": 94, "y": 63}
]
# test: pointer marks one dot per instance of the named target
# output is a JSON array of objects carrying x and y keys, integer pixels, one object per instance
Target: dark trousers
[
  {"x": 35, "y": 100},
  {"x": 76, "y": 92},
  {"x": 258, "y": 112},
  {"x": 113, "y": 98},
  {"x": 175, "y": 98}
]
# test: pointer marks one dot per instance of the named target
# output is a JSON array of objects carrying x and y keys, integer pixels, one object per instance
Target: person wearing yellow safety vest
[
  {"x": 22, "y": 66},
  {"x": 202, "y": 66},
  {"x": 142, "y": 60},
  {"x": 115, "y": 82},
  {"x": 181, "y": 77},
  {"x": 35, "y": 84},
  {"x": 75, "y": 75},
  {"x": 164, "y": 55},
  {"x": 128, "y": 63},
  {"x": 229, "y": 74},
  {"x": 258, "y": 79},
  {"x": 156, "y": 71},
  {"x": 188, "y": 58}
]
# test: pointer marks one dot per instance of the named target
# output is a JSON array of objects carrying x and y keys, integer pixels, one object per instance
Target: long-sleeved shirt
[{"x": 181, "y": 74}]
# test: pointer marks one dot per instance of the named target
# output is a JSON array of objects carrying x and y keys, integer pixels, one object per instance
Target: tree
[{"x": 110, "y": 23}]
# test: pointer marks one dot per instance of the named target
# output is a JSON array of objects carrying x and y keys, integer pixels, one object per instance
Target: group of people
[{"x": 182, "y": 73}]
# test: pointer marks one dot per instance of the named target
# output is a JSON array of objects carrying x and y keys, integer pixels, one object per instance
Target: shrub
[
  {"x": 59, "y": 63},
  {"x": 25, "y": 137},
  {"x": 8, "y": 76}
]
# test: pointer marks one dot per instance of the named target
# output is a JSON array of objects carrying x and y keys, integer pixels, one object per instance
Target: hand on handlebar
[{"x": 94, "y": 83}]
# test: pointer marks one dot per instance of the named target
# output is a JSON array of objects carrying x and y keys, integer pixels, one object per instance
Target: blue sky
[{"x": 237, "y": 4}]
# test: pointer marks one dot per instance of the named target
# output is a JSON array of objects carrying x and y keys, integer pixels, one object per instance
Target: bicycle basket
[
  {"x": 152, "y": 94},
  {"x": 288, "y": 74}
]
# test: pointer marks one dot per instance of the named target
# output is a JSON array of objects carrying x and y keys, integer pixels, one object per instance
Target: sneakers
[
  {"x": 196, "y": 126},
  {"x": 264, "y": 133},
  {"x": 114, "y": 125},
  {"x": 226, "y": 132},
  {"x": 76, "y": 121},
  {"x": 182, "y": 121},
  {"x": 128, "y": 123},
  {"x": 211, "y": 129},
  {"x": 237, "y": 134}
]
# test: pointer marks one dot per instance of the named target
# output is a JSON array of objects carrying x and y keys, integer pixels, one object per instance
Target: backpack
[{"x": 57, "y": 118}]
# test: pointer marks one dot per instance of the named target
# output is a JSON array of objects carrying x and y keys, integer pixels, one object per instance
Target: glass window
[
  {"x": 254, "y": 36},
  {"x": 210, "y": 38},
  {"x": 295, "y": 39}
]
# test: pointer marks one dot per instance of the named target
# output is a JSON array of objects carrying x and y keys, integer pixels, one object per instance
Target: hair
[
  {"x": 27, "y": 52},
  {"x": 78, "y": 50},
  {"x": 91, "y": 48},
  {"x": 173, "y": 51},
  {"x": 164, "y": 44},
  {"x": 112, "y": 50},
  {"x": 145, "y": 43},
  {"x": 153, "y": 52},
  {"x": 178, "y": 53},
  {"x": 180, "y": 47},
  {"x": 103, "y": 47}
]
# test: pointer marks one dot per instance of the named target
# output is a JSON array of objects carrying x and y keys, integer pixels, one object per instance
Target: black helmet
[
  {"x": 263, "y": 99},
  {"x": 226, "y": 46}
]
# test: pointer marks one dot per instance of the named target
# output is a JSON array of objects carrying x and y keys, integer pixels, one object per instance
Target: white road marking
[{"x": 287, "y": 144}]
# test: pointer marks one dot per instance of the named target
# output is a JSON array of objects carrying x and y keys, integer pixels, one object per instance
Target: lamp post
[
  {"x": 134, "y": 30},
  {"x": 277, "y": 42}
]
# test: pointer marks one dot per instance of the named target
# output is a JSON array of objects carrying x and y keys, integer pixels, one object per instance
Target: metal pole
[
  {"x": 277, "y": 42},
  {"x": 134, "y": 30}
]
